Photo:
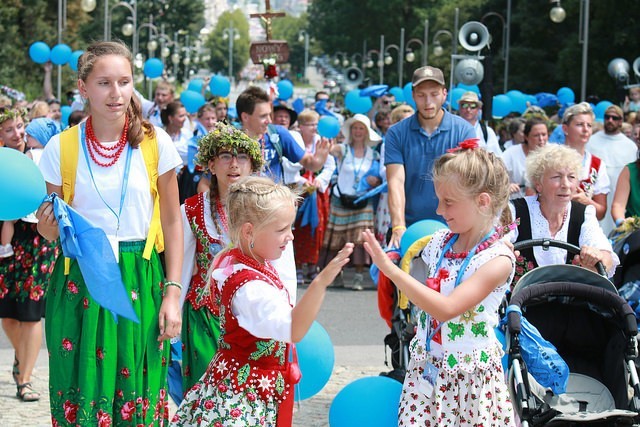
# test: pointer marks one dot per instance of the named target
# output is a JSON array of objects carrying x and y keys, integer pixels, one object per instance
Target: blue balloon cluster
[
  {"x": 316, "y": 358},
  {"x": 398, "y": 93},
  {"x": 39, "y": 52},
  {"x": 219, "y": 86},
  {"x": 417, "y": 230},
  {"x": 192, "y": 100},
  {"x": 455, "y": 95},
  {"x": 196, "y": 85},
  {"x": 285, "y": 89},
  {"x": 368, "y": 401},
  {"x": 60, "y": 54},
  {"x": 153, "y": 68},
  {"x": 566, "y": 95},
  {"x": 73, "y": 59},
  {"x": 356, "y": 103},
  {"x": 502, "y": 106},
  {"x": 328, "y": 127},
  {"x": 600, "y": 108},
  {"x": 24, "y": 195}
]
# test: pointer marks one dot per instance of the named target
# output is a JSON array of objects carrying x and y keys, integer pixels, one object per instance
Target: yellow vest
[{"x": 69, "y": 149}]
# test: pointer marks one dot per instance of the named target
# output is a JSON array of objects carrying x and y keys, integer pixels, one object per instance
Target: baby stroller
[
  {"x": 627, "y": 247},
  {"x": 594, "y": 331}
]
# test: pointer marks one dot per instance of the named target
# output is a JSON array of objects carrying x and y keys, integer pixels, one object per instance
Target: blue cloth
[
  {"x": 557, "y": 136},
  {"x": 89, "y": 246},
  {"x": 382, "y": 188},
  {"x": 174, "y": 375},
  {"x": 406, "y": 143},
  {"x": 42, "y": 129},
  {"x": 308, "y": 212},
  {"x": 290, "y": 149},
  {"x": 376, "y": 91},
  {"x": 374, "y": 171},
  {"x": 192, "y": 148},
  {"x": 298, "y": 105},
  {"x": 321, "y": 108}
]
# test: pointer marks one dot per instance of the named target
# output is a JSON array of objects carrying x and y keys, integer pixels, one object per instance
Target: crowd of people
[{"x": 206, "y": 247}]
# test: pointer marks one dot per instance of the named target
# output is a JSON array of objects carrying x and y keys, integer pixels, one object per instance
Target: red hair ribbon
[{"x": 467, "y": 144}]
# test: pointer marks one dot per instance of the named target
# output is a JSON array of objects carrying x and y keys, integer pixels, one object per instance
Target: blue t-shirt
[
  {"x": 290, "y": 150},
  {"x": 406, "y": 143}
]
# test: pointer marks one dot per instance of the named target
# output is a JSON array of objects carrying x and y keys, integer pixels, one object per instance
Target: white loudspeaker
[
  {"x": 353, "y": 76},
  {"x": 469, "y": 71},
  {"x": 636, "y": 67},
  {"x": 474, "y": 36},
  {"x": 619, "y": 69}
]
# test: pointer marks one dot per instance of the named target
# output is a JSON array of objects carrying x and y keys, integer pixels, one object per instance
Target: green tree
[
  {"x": 288, "y": 28},
  {"x": 218, "y": 43}
]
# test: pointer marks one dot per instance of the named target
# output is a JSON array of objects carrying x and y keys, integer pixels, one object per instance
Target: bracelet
[
  {"x": 398, "y": 227},
  {"x": 172, "y": 283}
]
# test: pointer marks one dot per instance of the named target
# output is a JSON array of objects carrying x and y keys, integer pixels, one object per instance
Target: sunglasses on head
[
  {"x": 471, "y": 105},
  {"x": 610, "y": 117}
]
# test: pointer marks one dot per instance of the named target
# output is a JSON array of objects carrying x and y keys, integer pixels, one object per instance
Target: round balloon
[
  {"x": 39, "y": 52},
  {"x": 565, "y": 95},
  {"x": 153, "y": 68},
  {"x": 600, "y": 108},
  {"x": 65, "y": 112},
  {"x": 407, "y": 90},
  {"x": 356, "y": 103},
  {"x": 502, "y": 106},
  {"x": 316, "y": 359},
  {"x": 417, "y": 230},
  {"x": 455, "y": 95},
  {"x": 219, "y": 86},
  {"x": 518, "y": 101},
  {"x": 60, "y": 54},
  {"x": 196, "y": 85},
  {"x": 368, "y": 401},
  {"x": 469, "y": 88},
  {"x": 192, "y": 100},
  {"x": 73, "y": 59},
  {"x": 285, "y": 89},
  {"x": 19, "y": 197},
  {"x": 398, "y": 93},
  {"x": 328, "y": 127}
]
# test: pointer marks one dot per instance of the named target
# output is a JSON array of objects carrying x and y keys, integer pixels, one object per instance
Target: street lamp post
[
  {"x": 133, "y": 9},
  {"x": 304, "y": 36},
  {"x": 424, "y": 45},
  {"x": 231, "y": 34},
  {"x": 506, "y": 25},
  {"x": 388, "y": 60}
]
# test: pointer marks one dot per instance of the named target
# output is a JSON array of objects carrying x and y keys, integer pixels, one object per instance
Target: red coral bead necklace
[{"x": 99, "y": 151}]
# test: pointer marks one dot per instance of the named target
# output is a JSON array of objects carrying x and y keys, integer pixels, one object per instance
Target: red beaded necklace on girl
[
  {"x": 223, "y": 227},
  {"x": 97, "y": 149},
  {"x": 265, "y": 268},
  {"x": 499, "y": 233}
]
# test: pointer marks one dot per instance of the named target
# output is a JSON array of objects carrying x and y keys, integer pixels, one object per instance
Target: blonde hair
[
  {"x": 38, "y": 109},
  {"x": 475, "y": 171},
  {"x": 138, "y": 126},
  {"x": 576, "y": 110},
  {"x": 400, "y": 112},
  {"x": 307, "y": 115},
  {"x": 551, "y": 157},
  {"x": 255, "y": 200}
]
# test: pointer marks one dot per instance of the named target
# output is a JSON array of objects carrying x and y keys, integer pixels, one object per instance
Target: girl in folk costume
[
  {"x": 577, "y": 125},
  {"x": 229, "y": 154},
  {"x": 250, "y": 380},
  {"x": 455, "y": 375},
  {"x": 103, "y": 372}
]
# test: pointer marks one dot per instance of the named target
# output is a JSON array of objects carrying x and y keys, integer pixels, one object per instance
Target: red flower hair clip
[{"x": 467, "y": 144}]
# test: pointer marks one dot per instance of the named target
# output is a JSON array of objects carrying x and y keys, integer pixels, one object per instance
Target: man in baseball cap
[{"x": 469, "y": 108}]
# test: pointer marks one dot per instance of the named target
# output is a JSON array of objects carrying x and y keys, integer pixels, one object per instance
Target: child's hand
[
  {"x": 373, "y": 248},
  {"x": 326, "y": 276}
]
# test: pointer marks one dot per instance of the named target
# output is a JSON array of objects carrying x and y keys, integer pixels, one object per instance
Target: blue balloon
[
  {"x": 19, "y": 197},
  {"x": 316, "y": 359},
  {"x": 356, "y": 103},
  {"x": 469, "y": 88},
  {"x": 368, "y": 401},
  {"x": 60, "y": 54},
  {"x": 73, "y": 59},
  {"x": 455, "y": 95},
  {"x": 502, "y": 106},
  {"x": 285, "y": 89},
  {"x": 65, "y": 112},
  {"x": 565, "y": 95},
  {"x": 398, "y": 93},
  {"x": 196, "y": 85},
  {"x": 408, "y": 95},
  {"x": 219, "y": 86},
  {"x": 153, "y": 68},
  {"x": 518, "y": 101},
  {"x": 192, "y": 100},
  {"x": 39, "y": 52},
  {"x": 328, "y": 127},
  {"x": 600, "y": 108},
  {"x": 417, "y": 230}
]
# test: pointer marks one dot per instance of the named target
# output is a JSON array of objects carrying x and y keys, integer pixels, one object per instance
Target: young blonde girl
[
  {"x": 455, "y": 375},
  {"x": 250, "y": 380}
]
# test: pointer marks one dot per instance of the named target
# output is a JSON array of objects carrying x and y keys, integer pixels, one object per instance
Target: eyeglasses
[
  {"x": 610, "y": 117},
  {"x": 471, "y": 106},
  {"x": 227, "y": 157}
]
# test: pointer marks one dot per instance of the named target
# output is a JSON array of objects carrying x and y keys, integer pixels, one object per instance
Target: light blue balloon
[
  {"x": 407, "y": 90},
  {"x": 19, "y": 197},
  {"x": 196, "y": 85},
  {"x": 328, "y": 127},
  {"x": 518, "y": 101},
  {"x": 39, "y": 52},
  {"x": 531, "y": 99},
  {"x": 502, "y": 106},
  {"x": 566, "y": 95},
  {"x": 398, "y": 93},
  {"x": 455, "y": 96},
  {"x": 600, "y": 108},
  {"x": 192, "y": 100},
  {"x": 368, "y": 401},
  {"x": 60, "y": 54},
  {"x": 73, "y": 59},
  {"x": 316, "y": 358},
  {"x": 418, "y": 230},
  {"x": 153, "y": 68},
  {"x": 219, "y": 86},
  {"x": 65, "y": 112},
  {"x": 469, "y": 88},
  {"x": 285, "y": 89},
  {"x": 356, "y": 103}
]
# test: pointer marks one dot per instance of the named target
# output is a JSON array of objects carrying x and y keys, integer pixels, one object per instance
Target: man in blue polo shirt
[
  {"x": 411, "y": 148},
  {"x": 254, "y": 111}
]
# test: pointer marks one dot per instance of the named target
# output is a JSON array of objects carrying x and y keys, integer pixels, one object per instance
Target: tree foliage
[{"x": 219, "y": 43}]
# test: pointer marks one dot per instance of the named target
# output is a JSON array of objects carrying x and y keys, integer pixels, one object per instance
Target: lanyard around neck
[
  {"x": 125, "y": 179},
  {"x": 356, "y": 172}
]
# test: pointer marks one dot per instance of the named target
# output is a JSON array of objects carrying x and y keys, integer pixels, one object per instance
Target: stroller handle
[{"x": 547, "y": 243}]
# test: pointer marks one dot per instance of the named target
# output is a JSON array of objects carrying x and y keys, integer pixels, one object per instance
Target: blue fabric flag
[
  {"x": 89, "y": 246},
  {"x": 174, "y": 377},
  {"x": 308, "y": 212},
  {"x": 374, "y": 170},
  {"x": 382, "y": 188},
  {"x": 546, "y": 99},
  {"x": 375, "y": 90},
  {"x": 298, "y": 105},
  {"x": 321, "y": 108}
]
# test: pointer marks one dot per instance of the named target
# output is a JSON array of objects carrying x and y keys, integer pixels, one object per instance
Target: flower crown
[
  {"x": 11, "y": 114},
  {"x": 227, "y": 136}
]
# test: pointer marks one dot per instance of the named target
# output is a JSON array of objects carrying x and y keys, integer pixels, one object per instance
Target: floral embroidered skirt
[
  {"x": 200, "y": 333},
  {"x": 103, "y": 373},
  {"x": 24, "y": 277},
  {"x": 473, "y": 398}
]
